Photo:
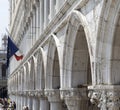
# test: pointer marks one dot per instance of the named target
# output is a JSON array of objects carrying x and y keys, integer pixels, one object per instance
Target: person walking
[
  {"x": 25, "y": 108},
  {"x": 10, "y": 107},
  {"x": 14, "y": 105}
]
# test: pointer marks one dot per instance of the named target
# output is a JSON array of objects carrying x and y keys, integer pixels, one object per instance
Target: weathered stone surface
[{"x": 71, "y": 54}]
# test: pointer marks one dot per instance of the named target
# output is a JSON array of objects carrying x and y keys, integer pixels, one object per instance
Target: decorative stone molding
[
  {"x": 74, "y": 92},
  {"x": 105, "y": 97},
  {"x": 53, "y": 95},
  {"x": 31, "y": 93},
  {"x": 28, "y": 93},
  {"x": 11, "y": 92},
  {"x": 35, "y": 93},
  {"x": 20, "y": 93},
  {"x": 24, "y": 93},
  {"x": 39, "y": 93}
]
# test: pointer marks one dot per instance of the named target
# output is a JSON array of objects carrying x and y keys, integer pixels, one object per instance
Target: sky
[{"x": 4, "y": 18}]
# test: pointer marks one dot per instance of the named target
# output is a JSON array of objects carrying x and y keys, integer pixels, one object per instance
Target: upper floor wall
[
  {"x": 36, "y": 23},
  {"x": 22, "y": 10}
]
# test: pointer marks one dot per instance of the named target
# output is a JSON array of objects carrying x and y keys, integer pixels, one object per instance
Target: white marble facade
[{"x": 71, "y": 54}]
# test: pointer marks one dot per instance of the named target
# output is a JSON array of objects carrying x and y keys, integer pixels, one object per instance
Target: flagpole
[
  {"x": 7, "y": 31},
  {"x": 9, "y": 34}
]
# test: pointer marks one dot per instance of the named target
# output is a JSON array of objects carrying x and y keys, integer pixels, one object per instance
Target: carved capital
[
  {"x": 12, "y": 92},
  {"x": 106, "y": 98},
  {"x": 53, "y": 95},
  {"x": 30, "y": 93},
  {"x": 39, "y": 93},
  {"x": 20, "y": 93},
  {"x": 75, "y": 98},
  {"x": 74, "y": 93}
]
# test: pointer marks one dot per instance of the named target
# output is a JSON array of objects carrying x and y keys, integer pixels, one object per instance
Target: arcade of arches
[{"x": 76, "y": 67}]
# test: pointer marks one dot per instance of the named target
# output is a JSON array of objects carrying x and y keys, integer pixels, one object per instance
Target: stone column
[
  {"x": 75, "y": 98},
  {"x": 16, "y": 97},
  {"x": 52, "y": 9},
  {"x": 28, "y": 35},
  {"x": 41, "y": 15},
  {"x": 34, "y": 27},
  {"x": 35, "y": 101},
  {"x": 37, "y": 20},
  {"x": 29, "y": 104},
  {"x": 22, "y": 101},
  {"x": 46, "y": 12},
  {"x": 19, "y": 102},
  {"x": 106, "y": 97},
  {"x": 31, "y": 31},
  {"x": 25, "y": 98},
  {"x": 43, "y": 102},
  {"x": 54, "y": 99},
  {"x": 16, "y": 102},
  {"x": 29, "y": 101}
]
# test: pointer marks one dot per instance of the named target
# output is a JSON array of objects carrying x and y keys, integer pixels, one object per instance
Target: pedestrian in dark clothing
[{"x": 14, "y": 105}]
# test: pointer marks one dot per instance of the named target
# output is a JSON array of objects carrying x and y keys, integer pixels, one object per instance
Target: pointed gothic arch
[
  {"x": 53, "y": 65},
  {"x": 78, "y": 52},
  {"x": 32, "y": 73},
  {"x": 22, "y": 78},
  {"x": 25, "y": 77},
  {"x": 40, "y": 76},
  {"x": 27, "y": 66}
]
